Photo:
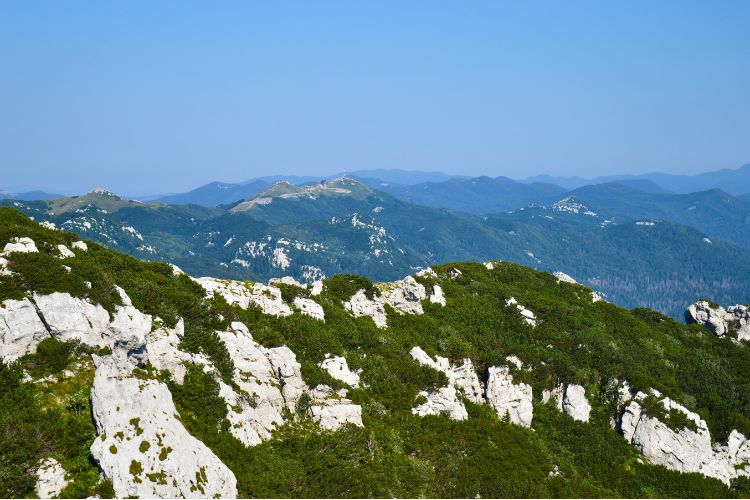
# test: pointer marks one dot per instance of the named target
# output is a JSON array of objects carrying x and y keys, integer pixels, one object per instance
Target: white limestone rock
[
  {"x": 528, "y": 316},
  {"x": 721, "y": 321},
  {"x": 310, "y": 308},
  {"x": 575, "y": 403},
  {"x": 359, "y": 305},
  {"x": 463, "y": 377},
  {"x": 427, "y": 272},
  {"x": 437, "y": 296},
  {"x": 289, "y": 374},
  {"x": 332, "y": 410},
  {"x": 261, "y": 399},
  {"x": 21, "y": 329},
  {"x": 507, "y": 398},
  {"x": 65, "y": 252},
  {"x": 80, "y": 245},
  {"x": 405, "y": 296},
  {"x": 444, "y": 401},
  {"x": 683, "y": 450},
  {"x": 129, "y": 412},
  {"x": 338, "y": 368},
  {"x": 71, "y": 318},
  {"x": 20, "y": 245},
  {"x": 316, "y": 288},
  {"x": 50, "y": 478},
  {"x": 561, "y": 276},
  {"x": 268, "y": 298},
  {"x": 163, "y": 354}
]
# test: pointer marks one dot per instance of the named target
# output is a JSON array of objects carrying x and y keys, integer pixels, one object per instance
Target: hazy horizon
[{"x": 160, "y": 97}]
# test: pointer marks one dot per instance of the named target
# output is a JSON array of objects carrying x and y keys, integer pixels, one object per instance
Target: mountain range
[{"x": 660, "y": 254}]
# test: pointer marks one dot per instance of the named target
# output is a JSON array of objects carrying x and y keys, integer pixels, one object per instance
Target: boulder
[
  {"x": 338, "y": 368},
  {"x": 21, "y": 329},
  {"x": 20, "y": 245},
  {"x": 507, "y": 398},
  {"x": 437, "y": 296},
  {"x": 142, "y": 446},
  {"x": 405, "y": 296},
  {"x": 570, "y": 399},
  {"x": 80, "y": 245},
  {"x": 289, "y": 374},
  {"x": 50, "y": 478}
]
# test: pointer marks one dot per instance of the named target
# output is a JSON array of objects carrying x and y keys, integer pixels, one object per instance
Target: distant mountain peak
[{"x": 341, "y": 186}]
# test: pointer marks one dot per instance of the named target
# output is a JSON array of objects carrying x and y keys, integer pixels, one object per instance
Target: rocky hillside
[{"x": 131, "y": 378}]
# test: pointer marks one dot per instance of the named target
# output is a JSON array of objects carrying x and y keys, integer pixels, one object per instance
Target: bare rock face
[
  {"x": 289, "y": 374},
  {"x": 338, "y": 368},
  {"x": 687, "y": 449},
  {"x": 332, "y": 410},
  {"x": 70, "y": 318},
  {"x": 719, "y": 320},
  {"x": 142, "y": 446},
  {"x": 50, "y": 478},
  {"x": 21, "y": 329},
  {"x": 309, "y": 307},
  {"x": 561, "y": 276},
  {"x": 507, "y": 398},
  {"x": 268, "y": 298},
  {"x": 80, "y": 245},
  {"x": 444, "y": 401}
]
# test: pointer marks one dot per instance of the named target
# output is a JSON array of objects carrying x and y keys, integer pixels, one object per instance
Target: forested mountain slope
[{"x": 492, "y": 380}]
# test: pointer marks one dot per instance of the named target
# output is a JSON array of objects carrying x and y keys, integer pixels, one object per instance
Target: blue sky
[{"x": 146, "y": 97}]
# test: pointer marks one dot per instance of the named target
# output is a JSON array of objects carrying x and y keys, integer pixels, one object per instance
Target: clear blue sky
[{"x": 147, "y": 97}]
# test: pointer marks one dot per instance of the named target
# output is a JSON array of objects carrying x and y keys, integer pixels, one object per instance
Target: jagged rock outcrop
[
  {"x": 528, "y": 316},
  {"x": 561, "y": 276},
  {"x": 360, "y": 305},
  {"x": 268, "y": 298},
  {"x": 338, "y": 368},
  {"x": 570, "y": 399},
  {"x": 685, "y": 449},
  {"x": 463, "y": 376},
  {"x": 332, "y": 410},
  {"x": 142, "y": 446},
  {"x": 289, "y": 374},
  {"x": 80, "y": 245},
  {"x": 50, "y": 478},
  {"x": 309, "y": 307},
  {"x": 21, "y": 329},
  {"x": 70, "y": 318},
  {"x": 405, "y": 296},
  {"x": 721, "y": 321},
  {"x": 444, "y": 401},
  {"x": 507, "y": 398}
]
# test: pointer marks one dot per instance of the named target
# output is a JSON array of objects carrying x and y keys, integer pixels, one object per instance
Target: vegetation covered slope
[{"x": 396, "y": 453}]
